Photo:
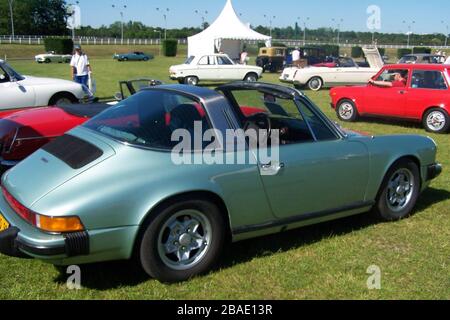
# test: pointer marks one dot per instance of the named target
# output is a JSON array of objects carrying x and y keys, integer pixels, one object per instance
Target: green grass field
[{"x": 327, "y": 261}]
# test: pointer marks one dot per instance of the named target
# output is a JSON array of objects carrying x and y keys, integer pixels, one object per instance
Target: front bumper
[{"x": 433, "y": 171}]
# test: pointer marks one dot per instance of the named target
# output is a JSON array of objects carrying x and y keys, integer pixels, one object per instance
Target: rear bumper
[
  {"x": 433, "y": 171},
  {"x": 11, "y": 245}
]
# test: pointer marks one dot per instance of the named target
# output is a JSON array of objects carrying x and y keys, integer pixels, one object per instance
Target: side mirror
[{"x": 118, "y": 96}]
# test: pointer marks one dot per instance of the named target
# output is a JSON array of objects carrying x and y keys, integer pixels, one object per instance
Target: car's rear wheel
[
  {"x": 62, "y": 98},
  {"x": 436, "y": 121},
  {"x": 399, "y": 191},
  {"x": 251, "y": 77},
  {"x": 183, "y": 240},
  {"x": 315, "y": 83},
  {"x": 191, "y": 80},
  {"x": 125, "y": 59},
  {"x": 47, "y": 60},
  {"x": 145, "y": 59},
  {"x": 346, "y": 111}
]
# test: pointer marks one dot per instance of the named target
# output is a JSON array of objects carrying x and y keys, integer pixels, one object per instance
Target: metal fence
[{"x": 39, "y": 40}]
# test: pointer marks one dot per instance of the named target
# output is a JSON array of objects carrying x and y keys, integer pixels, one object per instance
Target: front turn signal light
[{"x": 59, "y": 224}]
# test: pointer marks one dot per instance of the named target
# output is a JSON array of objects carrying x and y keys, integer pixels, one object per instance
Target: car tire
[
  {"x": 315, "y": 84},
  {"x": 346, "y": 111},
  {"x": 125, "y": 59},
  {"x": 47, "y": 61},
  {"x": 145, "y": 59},
  {"x": 436, "y": 121},
  {"x": 251, "y": 77},
  {"x": 165, "y": 262},
  {"x": 399, "y": 192},
  {"x": 62, "y": 98},
  {"x": 191, "y": 80}
]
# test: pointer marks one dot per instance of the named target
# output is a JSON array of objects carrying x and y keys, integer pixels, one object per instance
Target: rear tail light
[{"x": 45, "y": 223}]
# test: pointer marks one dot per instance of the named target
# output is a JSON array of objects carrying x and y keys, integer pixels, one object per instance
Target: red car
[{"x": 418, "y": 93}]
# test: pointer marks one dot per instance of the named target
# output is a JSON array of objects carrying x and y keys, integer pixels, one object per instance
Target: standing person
[
  {"x": 244, "y": 56},
  {"x": 81, "y": 68},
  {"x": 447, "y": 61},
  {"x": 296, "y": 57}
]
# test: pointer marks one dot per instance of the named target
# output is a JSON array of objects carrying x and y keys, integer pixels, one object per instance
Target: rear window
[{"x": 149, "y": 118}]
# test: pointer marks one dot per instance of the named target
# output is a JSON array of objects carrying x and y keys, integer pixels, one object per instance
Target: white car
[
  {"x": 17, "y": 91},
  {"x": 316, "y": 78},
  {"x": 213, "y": 67},
  {"x": 53, "y": 57}
]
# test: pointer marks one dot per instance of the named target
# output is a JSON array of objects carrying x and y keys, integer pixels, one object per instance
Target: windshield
[
  {"x": 189, "y": 60},
  {"x": 149, "y": 118},
  {"x": 11, "y": 72}
]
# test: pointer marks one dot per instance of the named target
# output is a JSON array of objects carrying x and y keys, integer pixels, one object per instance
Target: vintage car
[
  {"x": 213, "y": 67},
  {"x": 138, "y": 180},
  {"x": 316, "y": 78},
  {"x": 423, "y": 58},
  {"x": 272, "y": 59},
  {"x": 424, "y": 97},
  {"x": 133, "y": 56},
  {"x": 20, "y": 92},
  {"x": 53, "y": 57},
  {"x": 22, "y": 133}
]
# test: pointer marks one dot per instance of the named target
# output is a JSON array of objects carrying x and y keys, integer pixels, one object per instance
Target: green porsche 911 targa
[{"x": 111, "y": 190}]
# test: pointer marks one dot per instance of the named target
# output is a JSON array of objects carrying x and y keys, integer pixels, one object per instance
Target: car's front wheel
[
  {"x": 346, "y": 111},
  {"x": 399, "y": 192},
  {"x": 436, "y": 121},
  {"x": 251, "y": 77},
  {"x": 183, "y": 240},
  {"x": 191, "y": 80},
  {"x": 315, "y": 83}
]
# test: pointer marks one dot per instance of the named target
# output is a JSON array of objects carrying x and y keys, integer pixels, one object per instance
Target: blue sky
[{"x": 428, "y": 15}]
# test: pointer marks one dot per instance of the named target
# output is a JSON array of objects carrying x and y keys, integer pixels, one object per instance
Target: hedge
[
  {"x": 170, "y": 47},
  {"x": 382, "y": 51},
  {"x": 59, "y": 45},
  {"x": 421, "y": 50},
  {"x": 403, "y": 52},
  {"x": 357, "y": 52}
]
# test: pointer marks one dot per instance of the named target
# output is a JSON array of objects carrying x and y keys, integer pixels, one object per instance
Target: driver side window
[{"x": 4, "y": 77}]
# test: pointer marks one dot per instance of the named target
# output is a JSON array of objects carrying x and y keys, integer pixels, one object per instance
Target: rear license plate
[{"x": 3, "y": 223}]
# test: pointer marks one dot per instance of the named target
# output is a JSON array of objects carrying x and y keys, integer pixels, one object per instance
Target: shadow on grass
[
  {"x": 392, "y": 122},
  {"x": 111, "y": 275}
]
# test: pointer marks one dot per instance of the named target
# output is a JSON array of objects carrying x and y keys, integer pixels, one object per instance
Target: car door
[
  {"x": 228, "y": 70},
  {"x": 317, "y": 170},
  {"x": 387, "y": 101},
  {"x": 207, "y": 68},
  {"x": 428, "y": 88},
  {"x": 13, "y": 92},
  {"x": 325, "y": 173}
]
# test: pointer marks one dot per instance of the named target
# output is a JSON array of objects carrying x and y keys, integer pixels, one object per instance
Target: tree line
[{"x": 48, "y": 18}]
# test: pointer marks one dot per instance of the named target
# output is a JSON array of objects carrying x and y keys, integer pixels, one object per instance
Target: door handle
[
  {"x": 402, "y": 92},
  {"x": 271, "y": 169}
]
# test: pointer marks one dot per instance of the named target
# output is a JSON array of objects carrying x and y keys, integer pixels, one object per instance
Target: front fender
[{"x": 384, "y": 151}]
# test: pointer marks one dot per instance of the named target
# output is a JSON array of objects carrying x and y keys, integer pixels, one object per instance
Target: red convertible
[
  {"x": 412, "y": 92},
  {"x": 24, "y": 132}
]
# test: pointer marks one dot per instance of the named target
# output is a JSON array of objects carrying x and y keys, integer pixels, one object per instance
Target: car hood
[
  {"x": 38, "y": 81},
  {"x": 44, "y": 171},
  {"x": 39, "y": 122}
]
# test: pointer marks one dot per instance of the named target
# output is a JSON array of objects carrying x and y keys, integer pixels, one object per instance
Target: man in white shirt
[
  {"x": 296, "y": 57},
  {"x": 81, "y": 68},
  {"x": 244, "y": 56},
  {"x": 447, "y": 61}
]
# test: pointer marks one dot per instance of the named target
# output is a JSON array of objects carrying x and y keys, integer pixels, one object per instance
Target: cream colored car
[
  {"x": 316, "y": 78},
  {"x": 213, "y": 67}
]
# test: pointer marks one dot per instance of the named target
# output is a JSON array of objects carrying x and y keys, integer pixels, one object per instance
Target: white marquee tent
[{"x": 226, "y": 35}]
